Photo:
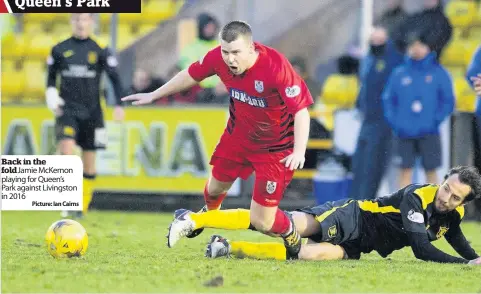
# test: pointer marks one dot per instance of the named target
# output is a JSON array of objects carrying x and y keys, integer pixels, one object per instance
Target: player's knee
[
  {"x": 216, "y": 189},
  {"x": 66, "y": 147},
  {"x": 306, "y": 224},
  {"x": 298, "y": 217},
  {"x": 216, "y": 192}
]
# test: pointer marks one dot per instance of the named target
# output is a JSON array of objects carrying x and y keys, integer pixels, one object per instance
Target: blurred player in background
[
  {"x": 413, "y": 216},
  {"x": 80, "y": 61},
  {"x": 267, "y": 133}
]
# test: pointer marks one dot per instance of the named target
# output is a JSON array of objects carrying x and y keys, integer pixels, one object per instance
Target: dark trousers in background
[
  {"x": 465, "y": 150},
  {"x": 477, "y": 159},
  {"x": 477, "y": 142},
  {"x": 371, "y": 159}
]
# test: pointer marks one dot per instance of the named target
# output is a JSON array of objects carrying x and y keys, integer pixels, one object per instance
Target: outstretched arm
[
  {"x": 412, "y": 214},
  {"x": 184, "y": 80},
  {"x": 424, "y": 250},
  {"x": 178, "y": 83},
  {"x": 456, "y": 239}
]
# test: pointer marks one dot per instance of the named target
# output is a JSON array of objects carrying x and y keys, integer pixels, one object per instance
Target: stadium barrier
[{"x": 155, "y": 150}]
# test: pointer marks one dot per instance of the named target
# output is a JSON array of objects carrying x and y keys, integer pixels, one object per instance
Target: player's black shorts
[
  {"x": 340, "y": 225},
  {"x": 89, "y": 133}
]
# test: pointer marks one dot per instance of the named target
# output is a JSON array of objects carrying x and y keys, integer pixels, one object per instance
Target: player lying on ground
[
  {"x": 413, "y": 216},
  {"x": 267, "y": 131}
]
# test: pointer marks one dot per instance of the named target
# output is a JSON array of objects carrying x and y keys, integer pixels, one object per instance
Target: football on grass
[{"x": 66, "y": 238}]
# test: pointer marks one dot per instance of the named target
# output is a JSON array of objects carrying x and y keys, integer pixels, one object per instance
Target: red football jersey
[{"x": 263, "y": 100}]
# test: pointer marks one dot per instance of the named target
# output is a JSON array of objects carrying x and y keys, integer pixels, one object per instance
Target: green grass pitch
[{"x": 128, "y": 253}]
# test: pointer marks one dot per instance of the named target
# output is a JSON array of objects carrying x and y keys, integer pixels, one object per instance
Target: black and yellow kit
[
  {"x": 80, "y": 63},
  {"x": 405, "y": 218}
]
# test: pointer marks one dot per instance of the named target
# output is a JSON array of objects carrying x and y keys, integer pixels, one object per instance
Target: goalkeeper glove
[{"x": 54, "y": 101}]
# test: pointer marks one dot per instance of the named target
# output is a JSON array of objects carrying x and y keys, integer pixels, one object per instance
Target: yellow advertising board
[{"x": 153, "y": 150}]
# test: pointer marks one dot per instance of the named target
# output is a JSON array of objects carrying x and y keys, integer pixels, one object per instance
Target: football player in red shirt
[{"x": 267, "y": 133}]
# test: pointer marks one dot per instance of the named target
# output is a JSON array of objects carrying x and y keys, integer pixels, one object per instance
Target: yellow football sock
[
  {"x": 88, "y": 183},
  {"x": 272, "y": 250},
  {"x": 229, "y": 219}
]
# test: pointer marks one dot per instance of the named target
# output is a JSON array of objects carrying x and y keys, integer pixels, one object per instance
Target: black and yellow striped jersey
[{"x": 388, "y": 222}]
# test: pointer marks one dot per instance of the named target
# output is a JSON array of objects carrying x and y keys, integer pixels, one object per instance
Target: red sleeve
[
  {"x": 292, "y": 88},
  {"x": 205, "y": 67}
]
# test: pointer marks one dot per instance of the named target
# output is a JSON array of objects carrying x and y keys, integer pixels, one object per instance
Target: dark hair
[
  {"x": 231, "y": 31},
  {"x": 348, "y": 65},
  {"x": 470, "y": 176}
]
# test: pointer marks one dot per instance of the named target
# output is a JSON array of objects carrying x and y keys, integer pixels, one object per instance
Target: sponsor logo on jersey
[
  {"x": 78, "y": 71},
  {"x": 251, "y": 100}
]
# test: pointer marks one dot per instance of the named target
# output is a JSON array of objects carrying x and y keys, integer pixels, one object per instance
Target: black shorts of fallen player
[{"x": 340, "y": 223}]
